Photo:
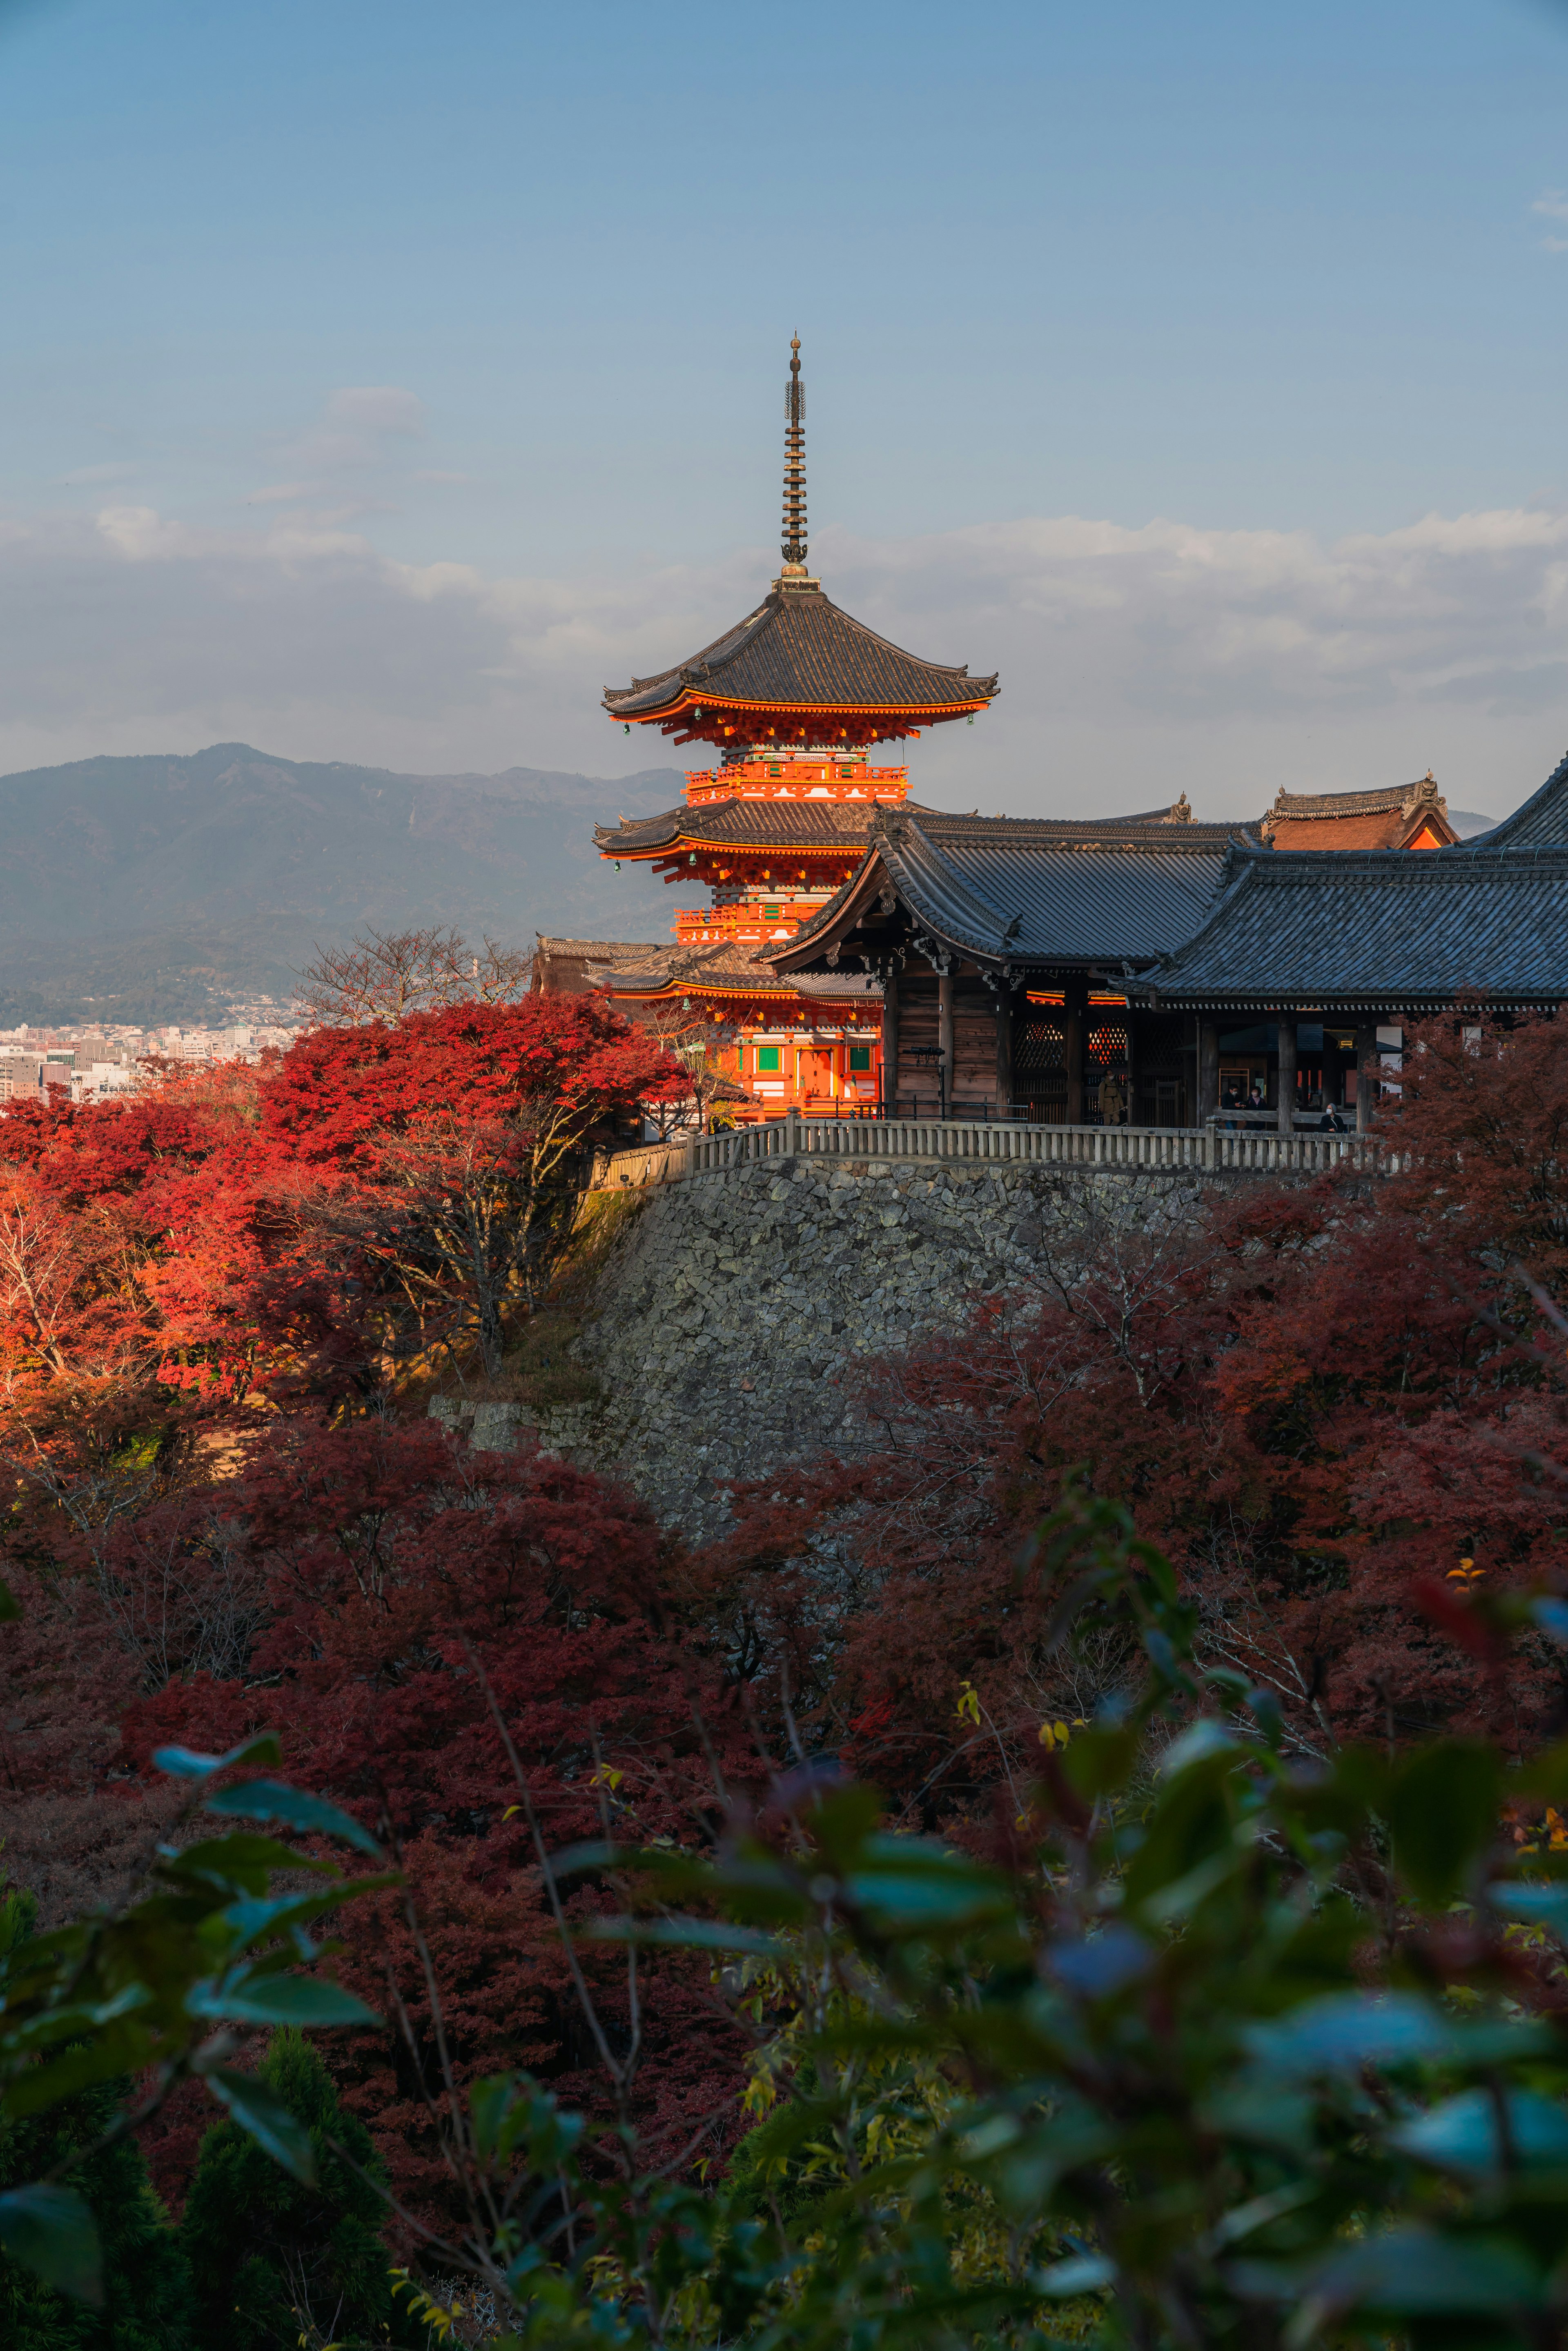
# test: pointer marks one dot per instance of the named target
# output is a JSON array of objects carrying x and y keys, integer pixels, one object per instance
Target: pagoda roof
[
  {"x": 802, "y": 659},
  {"x": 721, "y": 969},
  {"x": 1012, "y": 892},
  {"x": 777, "y": 825},
  {"x": 1378, "y": 930}
]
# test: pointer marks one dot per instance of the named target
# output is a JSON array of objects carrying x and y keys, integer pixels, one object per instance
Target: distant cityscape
[{"x": 87, "y": 1061}]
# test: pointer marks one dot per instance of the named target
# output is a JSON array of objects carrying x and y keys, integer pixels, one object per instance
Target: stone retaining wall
[{"x": 729, "y": 1312}]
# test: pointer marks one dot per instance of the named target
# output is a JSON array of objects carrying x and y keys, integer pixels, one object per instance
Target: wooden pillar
[
  {"x": 1004, "y": 1048},
  {"x": 889, "y": 1084},
  {"x": 1287, "y": 1076},
  {"x": 1134, "y": 1075},
  {"x": 1075, "y": 1025},
  {"x": 944, "y": 1034},
  {"x": 1208, "y": 1068},
  {"x": 1366, "y": 1066}
]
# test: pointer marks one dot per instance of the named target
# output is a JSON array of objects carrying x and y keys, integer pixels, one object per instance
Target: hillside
[{"x": 169, "y": 889}]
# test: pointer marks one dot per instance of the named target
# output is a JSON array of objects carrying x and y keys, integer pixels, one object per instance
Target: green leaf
[
  {"x": 253, "y": 1918},
  {"x": 1537, "y": 1905},
  {"x": 10, "y": 1607},
  {"x": 186, "y": 1763},
  {"x": 1345, "y": 2031},
  {"x": 1193, "y": 1827},
  {"x": 1463, "y": 2135},
  {"x": 120, "y": 2048},
  {"x": 258, "y": 2107},
  {"x": 1102, "y": 1965},
  {"x": 1101, "y": 1760},
  {"x": 243, "y": 1860},
  {"x": 1087, "y": 2274},
  {"x": 1201, "y": 1740},
  {"x": 507, "y": 2108},
  {"x": 302, "y": 2001},
  {"x": 908, "y": 1883},
  {"x": 1442, "y": 1809},
  {"x": 273, "y": 1800},
  {"x": 693, "y": 1934},
  {"x": 1551, "y": 1616},
  {"x": 51, "y": 2233},
  {"x": 1409, "y": 2272}
]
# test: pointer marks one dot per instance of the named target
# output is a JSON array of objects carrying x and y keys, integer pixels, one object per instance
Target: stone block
[
  {"x": 452, "y": 1411},
  {"x": 495, "y": 1428}
]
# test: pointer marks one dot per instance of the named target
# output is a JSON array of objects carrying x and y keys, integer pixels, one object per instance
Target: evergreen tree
[
  {"x": 147, "y": 2285},
  {"x": 277, "y": 2264}
]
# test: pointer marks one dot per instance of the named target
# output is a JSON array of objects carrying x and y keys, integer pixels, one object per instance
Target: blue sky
[{"x": 381, "y": 380}]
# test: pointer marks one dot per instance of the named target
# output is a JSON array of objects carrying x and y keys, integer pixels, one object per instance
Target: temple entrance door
[
  {"x": 816, "y": 1076},
  {"x": 1039, "y": 1066}
]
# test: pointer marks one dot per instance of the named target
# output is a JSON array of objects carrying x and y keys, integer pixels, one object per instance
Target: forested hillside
[{"x": 162, "y": 888}]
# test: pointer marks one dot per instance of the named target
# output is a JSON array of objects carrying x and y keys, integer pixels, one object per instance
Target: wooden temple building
[
  {"x": 1408, "y": 816},
  {"x": 1022, "y": 963},
  {"x": 1004, "y": 946},
  {"x": 854, "y": 951}
]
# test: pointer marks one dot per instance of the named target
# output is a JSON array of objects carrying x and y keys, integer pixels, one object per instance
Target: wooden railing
[{"x": 1207, "y": 1149}]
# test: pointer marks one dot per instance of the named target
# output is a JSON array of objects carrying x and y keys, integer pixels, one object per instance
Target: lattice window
[
  {"x": 1160, "y": 1043},
  {"x": 1040, "y": 1048},
  {"x": 1108, "y": 1044}
]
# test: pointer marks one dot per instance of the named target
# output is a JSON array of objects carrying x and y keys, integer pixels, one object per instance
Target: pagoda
[{"x": 795, "y": 700}]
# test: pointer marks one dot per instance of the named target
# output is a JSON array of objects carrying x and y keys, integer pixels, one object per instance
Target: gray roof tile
[{"x": 1379, "y": 929}]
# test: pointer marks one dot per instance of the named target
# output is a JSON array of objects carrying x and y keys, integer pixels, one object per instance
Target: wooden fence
[{"x": 1211, "y": 1150}]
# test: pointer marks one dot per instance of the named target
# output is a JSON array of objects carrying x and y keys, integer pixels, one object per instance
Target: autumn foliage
[{"x": 1339, "y": 1408}]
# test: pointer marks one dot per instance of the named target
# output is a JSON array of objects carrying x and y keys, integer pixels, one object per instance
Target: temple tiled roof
[
  {"x": 1030, "y": 890},
  {"x": 1544, "y": 817},
  {"x": 1372, "y": 803},
  {"x": 560, "y": 965},
  {"x": 721, "y": 968},
  {"x": 1378, "y": 930},
  {"x": 595, "y": 950},
  {"x": 1388, "y": 818},
  {"x": 798, "y": 650},
  {"x": 778, "y": 824}
]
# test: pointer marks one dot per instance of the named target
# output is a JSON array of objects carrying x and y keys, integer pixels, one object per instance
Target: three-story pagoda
[{"x": 795, "y": 699}]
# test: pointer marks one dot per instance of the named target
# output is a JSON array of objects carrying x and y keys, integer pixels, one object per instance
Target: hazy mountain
[
  {"x": 167, "y": 888},
  {"x": 1467, "y": 823}
]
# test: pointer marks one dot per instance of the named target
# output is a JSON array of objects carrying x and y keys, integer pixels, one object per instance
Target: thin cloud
[
  {"x": 1136, "y": 662},
  {"x": 377, "y": 408},
  {"x": 282, "y": 493},
  {"x": 1551, "y": 203},
  {"x": 361, "y": 426},
  {"x": 81, "y": 475}
]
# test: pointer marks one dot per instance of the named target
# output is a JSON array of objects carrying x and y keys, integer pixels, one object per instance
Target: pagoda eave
[{"x": 723, "y": 724}]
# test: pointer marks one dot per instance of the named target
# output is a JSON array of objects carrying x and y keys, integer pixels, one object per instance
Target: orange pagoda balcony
[
  {"x": 748, "y": 922},
  {"x": 823, "y": 777}
]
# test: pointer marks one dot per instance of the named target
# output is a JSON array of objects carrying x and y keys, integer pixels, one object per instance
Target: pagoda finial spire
[{"x": 793, "y": 546}]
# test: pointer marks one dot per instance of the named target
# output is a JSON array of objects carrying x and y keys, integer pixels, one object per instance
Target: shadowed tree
[
  {"x": 146, "y": 2282},
  {"x": 277, "y": 2264}
]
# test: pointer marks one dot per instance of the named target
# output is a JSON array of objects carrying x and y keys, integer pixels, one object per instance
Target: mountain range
[{"x": 170, "y": 890}]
